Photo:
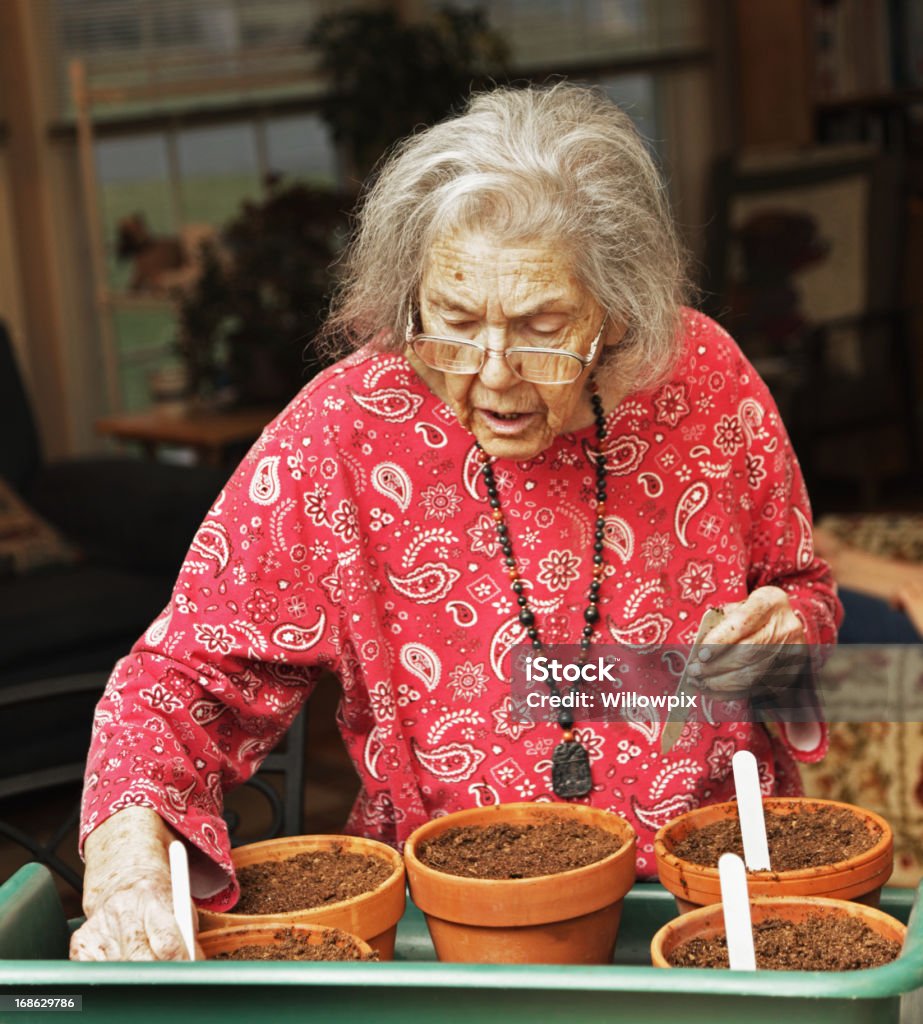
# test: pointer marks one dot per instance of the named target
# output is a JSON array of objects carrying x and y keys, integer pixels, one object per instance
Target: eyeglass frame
[{"x": 411, "y": 337}]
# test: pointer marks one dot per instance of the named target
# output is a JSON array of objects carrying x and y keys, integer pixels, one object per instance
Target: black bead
[{"x": 591, "y": 613}]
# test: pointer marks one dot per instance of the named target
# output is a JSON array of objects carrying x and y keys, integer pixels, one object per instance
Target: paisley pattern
[
  {"x": 213, "y": 543},
  {"x": 264, "y": 487},
  {"x": 371, "y": 552},
  {"x": 422, "y": 662},
  {"x": 393, "y": 482}
]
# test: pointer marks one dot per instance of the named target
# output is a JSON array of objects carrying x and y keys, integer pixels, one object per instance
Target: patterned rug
[
  {"x": 879, "y": 765},
  {"x": 894, "y": 536}
]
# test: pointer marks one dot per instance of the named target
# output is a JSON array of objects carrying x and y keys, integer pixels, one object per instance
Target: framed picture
[
  {"x": 804, "y": 271},
  {"x": 800, "y": 239}
]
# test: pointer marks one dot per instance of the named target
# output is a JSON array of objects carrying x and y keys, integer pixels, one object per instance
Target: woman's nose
[{"x": 496, "y": 373}]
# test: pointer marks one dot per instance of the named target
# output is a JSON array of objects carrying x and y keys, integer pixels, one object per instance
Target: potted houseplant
[
  {"x": 247, "y": 323},
  {"x": 388, "y": 75},
  {"x": 859, "y": 876},
  {"x": 372, "y": 915},
  {"x": 568, "y": 917}
]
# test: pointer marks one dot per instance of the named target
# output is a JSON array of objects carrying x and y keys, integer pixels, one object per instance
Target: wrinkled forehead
[{"x": 470, "y": 267}]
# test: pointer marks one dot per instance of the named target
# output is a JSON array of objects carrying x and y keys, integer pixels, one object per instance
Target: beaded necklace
[{"x": 570, "y": 766}]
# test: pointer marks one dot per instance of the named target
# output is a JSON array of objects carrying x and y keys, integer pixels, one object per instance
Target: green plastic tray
[{"x": 33, "y": 948}]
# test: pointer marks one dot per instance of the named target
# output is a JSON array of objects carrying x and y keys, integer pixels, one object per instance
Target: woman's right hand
[{"x": 127, "y": 896}]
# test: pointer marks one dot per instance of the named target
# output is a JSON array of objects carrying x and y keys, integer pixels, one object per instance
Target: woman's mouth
[{"x": 507, "y": 423}]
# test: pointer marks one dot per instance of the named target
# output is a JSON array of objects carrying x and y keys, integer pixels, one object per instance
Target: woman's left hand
[{"x": 755, "y": 644}]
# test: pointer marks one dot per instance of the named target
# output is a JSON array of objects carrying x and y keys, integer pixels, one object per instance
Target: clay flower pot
[
  {"x": 373, "y": 915},
  {"x": 859, "y": 878},
  {"x": 567, "y": 918},
  {"x": 226, "y": 940},
  {"x": 708, "y": 922}
]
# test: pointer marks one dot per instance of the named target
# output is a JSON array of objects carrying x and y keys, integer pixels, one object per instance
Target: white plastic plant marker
[
  {"x": 750, "y": 810},
  {"x": 735, "y": 902},
  {"x": 182, "y": 899}
]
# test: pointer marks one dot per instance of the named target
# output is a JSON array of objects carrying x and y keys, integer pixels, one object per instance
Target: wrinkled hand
[
  {"x": 758, "y": 644},
  {"x": 127, "y": 895}
]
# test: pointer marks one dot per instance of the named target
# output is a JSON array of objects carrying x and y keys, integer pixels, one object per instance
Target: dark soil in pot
[
  {"x": 826, "y": 835},
  {"x": 292, "y": 945},
  {"x": 819, "y": 943},
  {"x": 504, "y": 851},
  {"x": 312, "y": 879}
]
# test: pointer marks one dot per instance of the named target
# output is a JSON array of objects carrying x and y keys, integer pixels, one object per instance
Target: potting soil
[
  {"x": 799, "y": 840},
  {"x": 517, "y": 851},
  {"x": 315, "y": 878},
  {"x": 292, "y": 945},
  {"x": 819, "y": 943}
]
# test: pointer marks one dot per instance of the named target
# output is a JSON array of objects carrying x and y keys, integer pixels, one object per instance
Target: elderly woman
[{"x": 532, "y": 441}]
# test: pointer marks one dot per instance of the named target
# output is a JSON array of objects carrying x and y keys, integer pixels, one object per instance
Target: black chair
[
  {"x": 279, "y": 783},
  {"x": 62, "y": 628}
]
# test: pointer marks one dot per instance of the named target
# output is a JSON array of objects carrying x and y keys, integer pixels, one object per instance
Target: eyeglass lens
[{"x": 537, "y": 367}]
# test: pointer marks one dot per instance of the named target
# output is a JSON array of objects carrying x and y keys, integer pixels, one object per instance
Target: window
[{"x": 195, "y": 102}]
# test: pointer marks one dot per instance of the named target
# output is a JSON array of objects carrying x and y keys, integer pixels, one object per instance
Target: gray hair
[{"x": 562, "y": 165}]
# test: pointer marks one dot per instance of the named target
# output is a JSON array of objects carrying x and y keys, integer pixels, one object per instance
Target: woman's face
[{"x": 500, "y": 297}]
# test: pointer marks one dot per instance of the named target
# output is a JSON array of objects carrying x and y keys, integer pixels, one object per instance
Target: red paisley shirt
[{"x": 355, "y": 536}]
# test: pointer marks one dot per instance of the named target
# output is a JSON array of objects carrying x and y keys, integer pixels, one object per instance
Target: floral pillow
[{"x": 27, "y": 542}]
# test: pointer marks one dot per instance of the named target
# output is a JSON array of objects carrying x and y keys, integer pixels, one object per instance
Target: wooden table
[{"x": 209, "y": 434}]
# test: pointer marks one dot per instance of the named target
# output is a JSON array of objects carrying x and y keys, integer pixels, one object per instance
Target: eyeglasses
[{"x": 535, "y": 365}]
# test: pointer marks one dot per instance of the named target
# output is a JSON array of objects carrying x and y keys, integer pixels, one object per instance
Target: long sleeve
[
  {"x": 782, "y": 549},
  {"x": 216, "y": 680},
  {"x": 781, "y": 542}
]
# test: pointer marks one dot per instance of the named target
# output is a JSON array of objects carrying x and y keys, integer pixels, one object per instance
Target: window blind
[{"x": 150, "y": 48}]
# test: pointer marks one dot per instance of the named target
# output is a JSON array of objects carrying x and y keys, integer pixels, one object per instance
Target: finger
[
  {"x": 736, "y": 673},
  {"x": 766, "y": 617},
  {"x": 743, "y": 668},
  {"x": 90, "y": 944},
  {"x": 163, "y": 935}
]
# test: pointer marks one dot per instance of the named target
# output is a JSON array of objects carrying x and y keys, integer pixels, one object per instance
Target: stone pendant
[{"x": 570, "y": 770}]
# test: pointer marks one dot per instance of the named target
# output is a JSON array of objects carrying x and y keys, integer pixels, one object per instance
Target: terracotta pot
[
  {"x": 568, "y": 918},
  {"x": 226, "y": 940},
  {"x": 373, "y": 916},
  {"x": 707, "y": 922},
  {"x": 859, "y": 878}
]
